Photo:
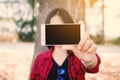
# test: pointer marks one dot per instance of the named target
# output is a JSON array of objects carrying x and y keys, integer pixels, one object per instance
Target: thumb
[{"x": 77, "y": 52}]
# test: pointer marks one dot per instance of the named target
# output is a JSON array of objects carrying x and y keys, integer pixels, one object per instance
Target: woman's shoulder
[{"x": 45, "y": 54}]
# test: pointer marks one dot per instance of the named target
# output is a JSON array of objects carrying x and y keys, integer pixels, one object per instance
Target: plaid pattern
[{"x": 43, "y": 64}]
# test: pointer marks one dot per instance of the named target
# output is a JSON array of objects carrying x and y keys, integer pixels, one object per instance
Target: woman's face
[{"x": 56, "y": 20}]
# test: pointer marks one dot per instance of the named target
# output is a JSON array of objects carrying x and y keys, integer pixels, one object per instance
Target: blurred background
[{"x": 20, "y": 33}]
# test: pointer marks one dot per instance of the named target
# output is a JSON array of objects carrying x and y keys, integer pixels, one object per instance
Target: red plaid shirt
[{"x": 43, "y": 64}]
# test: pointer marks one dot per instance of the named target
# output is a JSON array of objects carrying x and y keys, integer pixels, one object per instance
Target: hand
[{"x": 85, "y": 50}]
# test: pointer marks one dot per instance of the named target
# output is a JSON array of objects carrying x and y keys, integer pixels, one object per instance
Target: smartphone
[{"x": 60, "y": 34}]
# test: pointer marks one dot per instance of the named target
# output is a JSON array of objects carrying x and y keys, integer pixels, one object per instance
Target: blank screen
[{"x": 62, "y": 34}]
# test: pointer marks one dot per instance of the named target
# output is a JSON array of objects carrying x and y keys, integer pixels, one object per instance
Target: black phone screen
[{"x": 57, "y": 34}]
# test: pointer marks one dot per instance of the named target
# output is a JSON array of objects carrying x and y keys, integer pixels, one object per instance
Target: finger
[
  {"x": 82, "y": 42},
  {"x": 87, "y": 45},
  {"x": 75, "y": 50},
  {"x": 92, "y": 49},
  {"x": 77, "y": 53}
]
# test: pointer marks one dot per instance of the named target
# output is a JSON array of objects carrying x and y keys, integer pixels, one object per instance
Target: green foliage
[
  {"x": 24, "y": 33},
  {"x": 28, "y": 35},
  {"x": 32, "y": 3},
  {"x": 97, "y": 39},
  {"x": 113, "y": 41},
  {"x": 117, "y": 41}
]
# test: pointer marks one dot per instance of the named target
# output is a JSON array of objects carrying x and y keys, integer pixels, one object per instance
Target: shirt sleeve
[
  {"x": 34, "y": 68},
  {"x": 93, "y": 70}
]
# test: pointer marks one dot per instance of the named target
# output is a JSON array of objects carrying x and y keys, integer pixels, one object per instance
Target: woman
[{"x": 65, "y": 63}]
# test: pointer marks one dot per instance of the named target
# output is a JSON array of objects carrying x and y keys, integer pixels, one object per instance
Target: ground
[{"x": 16, "y": 58}]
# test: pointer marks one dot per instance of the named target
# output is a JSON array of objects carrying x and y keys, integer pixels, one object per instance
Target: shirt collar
[{"x": 49, "y": 53}]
